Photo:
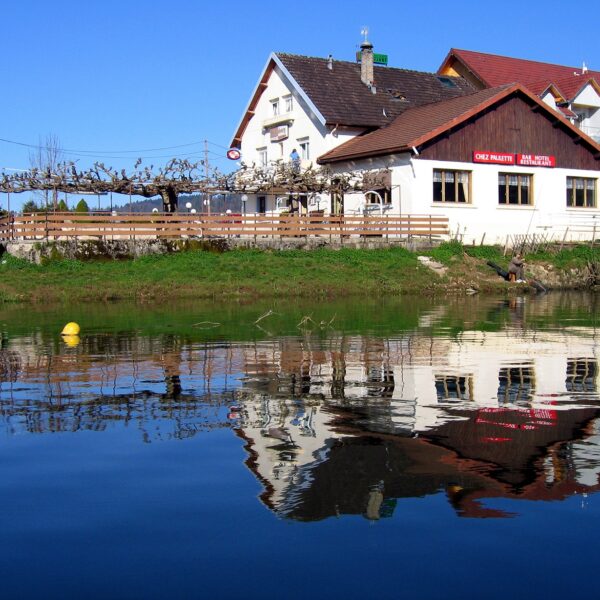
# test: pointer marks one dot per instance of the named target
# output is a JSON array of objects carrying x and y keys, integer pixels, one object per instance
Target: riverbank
[{"x": 320, "y": 273}]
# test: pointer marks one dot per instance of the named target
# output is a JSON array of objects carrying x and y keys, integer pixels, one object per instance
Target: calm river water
[{"x": 357, "y": 449}]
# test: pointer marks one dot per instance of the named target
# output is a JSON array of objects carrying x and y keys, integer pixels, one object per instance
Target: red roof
[
  {"x": 493, "y": 70},
  {"x": 421, "y": 124}
]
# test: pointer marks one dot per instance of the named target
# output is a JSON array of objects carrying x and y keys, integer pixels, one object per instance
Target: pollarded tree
[
  {"x": 47, "y": 156},
  {"x": 180, "y": 176}
]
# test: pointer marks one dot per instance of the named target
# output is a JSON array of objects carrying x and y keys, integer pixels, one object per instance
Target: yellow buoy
[
  {"x": 71, "y": 329},
  {"x": 71, "y": 340}
]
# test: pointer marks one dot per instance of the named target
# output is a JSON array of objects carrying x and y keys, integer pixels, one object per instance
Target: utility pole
[{"x": 206, "y": 196}]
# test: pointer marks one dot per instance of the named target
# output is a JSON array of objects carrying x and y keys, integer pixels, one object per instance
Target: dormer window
[
  {"x": 446, "y": 81},
  {"x": 275, "y": 107}
]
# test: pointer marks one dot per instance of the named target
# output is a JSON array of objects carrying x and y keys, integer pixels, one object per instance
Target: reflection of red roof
[{"x": 493, "y": 70}]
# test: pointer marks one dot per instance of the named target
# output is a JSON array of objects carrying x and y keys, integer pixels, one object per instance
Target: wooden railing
[{"x": 64, "y": 226}]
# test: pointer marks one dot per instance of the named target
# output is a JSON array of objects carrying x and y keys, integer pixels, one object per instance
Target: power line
[{"x": 98, "y": 152}]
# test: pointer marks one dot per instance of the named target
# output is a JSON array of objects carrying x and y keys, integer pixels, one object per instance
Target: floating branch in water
[
  {"x": 206, "y": 325},
  {"x": 305, "y": 321},
  {"x": 267, "y": 314}
]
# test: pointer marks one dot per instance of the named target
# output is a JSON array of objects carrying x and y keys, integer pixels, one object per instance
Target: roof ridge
[
  {"x": 527, "y": 60},
  {"x": 378, "y": 67}
]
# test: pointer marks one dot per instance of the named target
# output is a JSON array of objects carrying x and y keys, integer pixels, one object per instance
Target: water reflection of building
[
  {"x": 337, "y": 424},
  {"x": 479, "y": 415}
]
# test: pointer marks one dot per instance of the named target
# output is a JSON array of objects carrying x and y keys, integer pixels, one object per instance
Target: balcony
[{"x": 283, "y": 119}]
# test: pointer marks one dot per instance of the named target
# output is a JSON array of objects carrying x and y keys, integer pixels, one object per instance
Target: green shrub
[{"x": 82, "y": 207}]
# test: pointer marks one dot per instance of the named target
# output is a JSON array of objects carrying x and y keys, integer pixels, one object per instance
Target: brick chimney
[{"x": 366, "y": 65}]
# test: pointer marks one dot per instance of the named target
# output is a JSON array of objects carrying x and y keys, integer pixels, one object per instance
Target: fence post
[{"x": 564, "y": 239}]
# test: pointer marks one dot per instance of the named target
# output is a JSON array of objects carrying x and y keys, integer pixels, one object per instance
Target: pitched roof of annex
[{"x": 424, "y": 123}]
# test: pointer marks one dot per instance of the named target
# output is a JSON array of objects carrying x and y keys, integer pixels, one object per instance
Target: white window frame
[
  {"x": 275, "y": 107},
  {"x": 304, "y": 144},
  {"x": 289, "y": 103},
  {"x": 262, "y": 156}
]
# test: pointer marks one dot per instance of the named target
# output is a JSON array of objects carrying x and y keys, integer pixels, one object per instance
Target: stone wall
[{"x": 39, "y": 252}]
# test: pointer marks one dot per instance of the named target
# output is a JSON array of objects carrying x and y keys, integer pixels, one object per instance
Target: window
[
  {"x": 581, "y": 192},
  {"x": 446, "y": 81},
  {"x": 289, "y": 104},
  {"x": 581, "y": 375},
  {"x": 375, "y": 196},
  {"x": 262, "y": 156},
  {"x": 304, "y": 149},
  {"x": 275, "y": 107},
  {"x": 450, "y": 387},
  {"x": 451, "y": 186},
  {"x": 516, "y": 384},
  {"x": 514, "y": 189}
]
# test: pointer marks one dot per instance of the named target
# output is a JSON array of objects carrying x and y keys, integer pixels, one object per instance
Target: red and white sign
[
  {"x": 233, "y": 154},
  {"x": 536, "y": 160},
  {"x": 493, "y": 158}
]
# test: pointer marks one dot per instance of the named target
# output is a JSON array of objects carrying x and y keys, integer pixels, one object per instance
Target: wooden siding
[{"x": 516, "y": 126}]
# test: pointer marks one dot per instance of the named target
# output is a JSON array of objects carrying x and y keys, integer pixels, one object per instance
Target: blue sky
[{"x": 107, "y": 76}]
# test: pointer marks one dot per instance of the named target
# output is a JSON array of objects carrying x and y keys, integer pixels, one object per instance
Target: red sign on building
[
  {"x": 536, "y": 160},
  {"x": 493, "y": 158}
]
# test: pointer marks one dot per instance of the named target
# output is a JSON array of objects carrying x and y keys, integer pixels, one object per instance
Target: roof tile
[{"x": 343, "y": 99}]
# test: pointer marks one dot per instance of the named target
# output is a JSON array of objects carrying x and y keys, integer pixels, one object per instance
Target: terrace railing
[{"x": 65, "y": 226}]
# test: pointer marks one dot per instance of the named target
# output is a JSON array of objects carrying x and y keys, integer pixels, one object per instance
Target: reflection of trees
[
  {"x": 10, "y": 365},
  {"x": 110, "y": 379},
  {"x": 156, "y": 416}
]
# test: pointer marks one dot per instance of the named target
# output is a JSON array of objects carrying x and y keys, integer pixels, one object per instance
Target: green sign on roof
[{"x": 378, "y": 59}]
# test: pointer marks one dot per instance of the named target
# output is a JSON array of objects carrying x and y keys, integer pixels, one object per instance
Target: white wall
[
  {"x": 305, "y": 125},
  {"x": 587, "y": 97},
  {"x": 587, "y": 102},
  {"x": 412, "y": 193}
]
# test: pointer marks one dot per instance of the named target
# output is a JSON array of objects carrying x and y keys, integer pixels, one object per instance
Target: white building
[{"x": 496, "y": 161}]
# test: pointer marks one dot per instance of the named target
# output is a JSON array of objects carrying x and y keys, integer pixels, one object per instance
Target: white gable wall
[
  {"x": 588, "y": 96},
  {"x": 586, "y": 104},
  {"x": 304, "y": 124},
  {"x": 548, "y": 98}
]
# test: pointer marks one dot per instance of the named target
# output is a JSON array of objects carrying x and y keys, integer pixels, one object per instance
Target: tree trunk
[{"x": 169, "y": 198}]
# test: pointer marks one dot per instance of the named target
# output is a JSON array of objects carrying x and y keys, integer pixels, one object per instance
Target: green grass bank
[{"x": 318, "y": 273}]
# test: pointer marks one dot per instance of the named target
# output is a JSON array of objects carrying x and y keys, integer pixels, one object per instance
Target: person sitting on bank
[{"x": 516, "y": 268}]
